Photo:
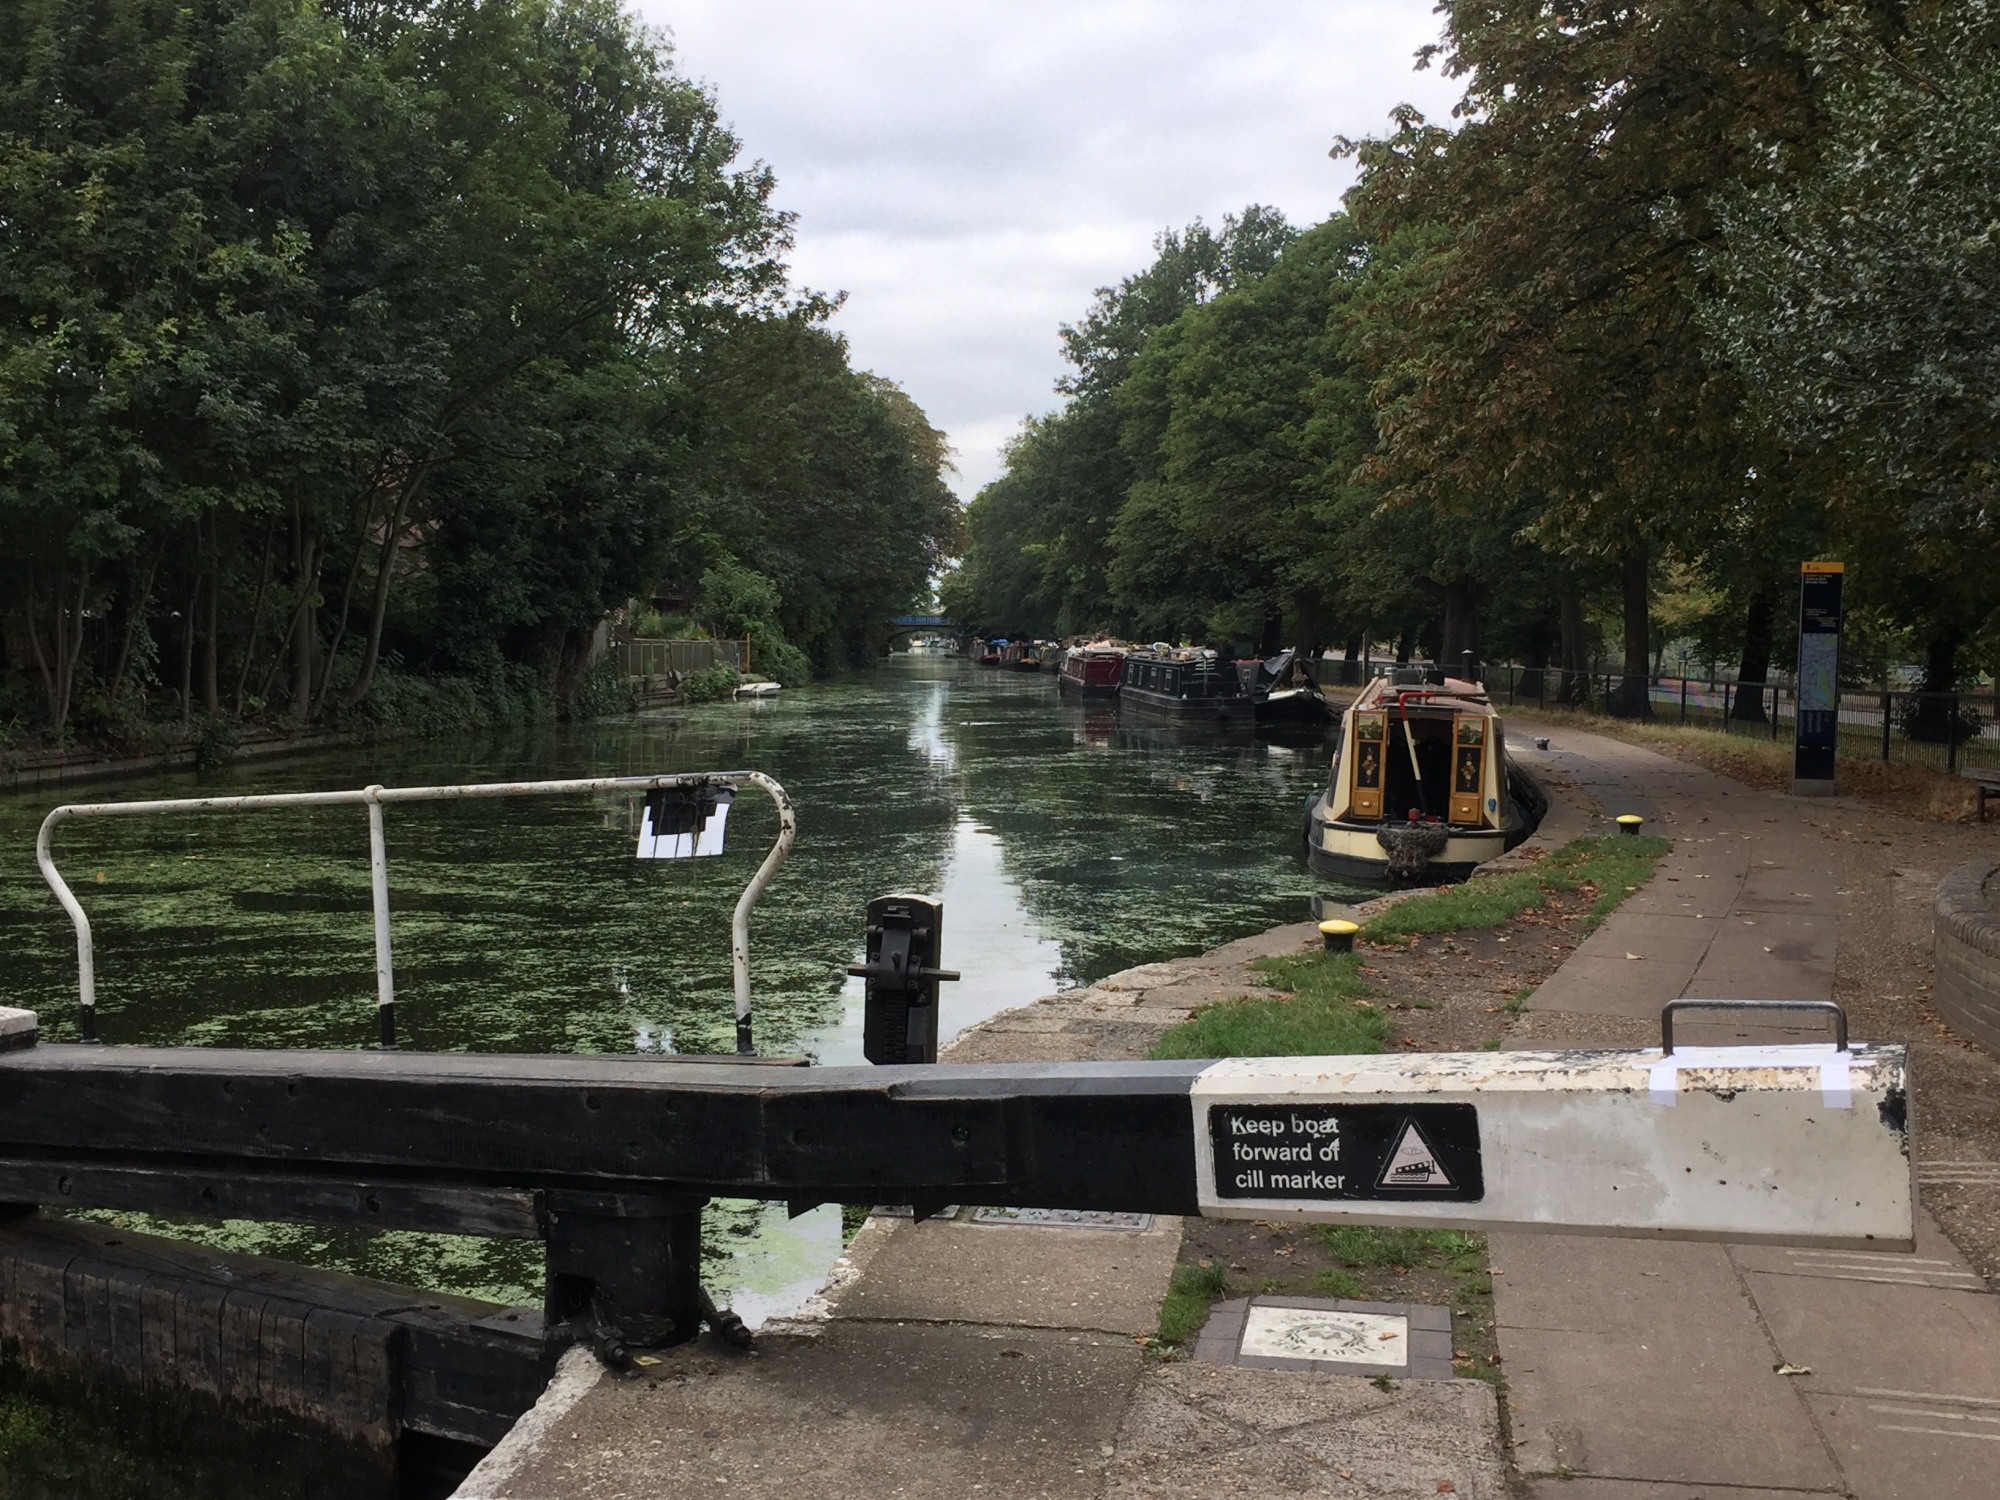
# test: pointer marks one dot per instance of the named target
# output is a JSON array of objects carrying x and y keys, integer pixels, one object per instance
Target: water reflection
[{"x": 1065, "y": 846}]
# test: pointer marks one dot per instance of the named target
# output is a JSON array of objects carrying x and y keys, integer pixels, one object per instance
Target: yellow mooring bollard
[
  {"x": 1338, "y": 936},
  {"x": 1630, "y": 822}
]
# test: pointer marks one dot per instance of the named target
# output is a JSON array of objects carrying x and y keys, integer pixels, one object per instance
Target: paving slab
[
  {"x": 1855, "y": 1334},
  {"x": 1103, "y": 1279},
  {"x": 866, "y": 1411},
  {"x": 1606, "y": 983},
  {"x": 1617, "y": 1351},
  {"x": 1592, "y": 1488},
  {"x": 1770, "y": 957},
  {"x": 1197, "y": 1432},
  {"x": 1902, "y": 1449}
]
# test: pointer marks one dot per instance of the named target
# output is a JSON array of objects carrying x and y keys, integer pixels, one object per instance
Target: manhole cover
[{"x": 1064, "y": 1218}]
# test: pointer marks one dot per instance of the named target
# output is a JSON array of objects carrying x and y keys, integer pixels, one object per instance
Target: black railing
[{"x": 1947, "y": 731}]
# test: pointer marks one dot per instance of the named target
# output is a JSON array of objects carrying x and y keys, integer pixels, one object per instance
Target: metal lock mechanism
[{"x": 899, "y": 1017}]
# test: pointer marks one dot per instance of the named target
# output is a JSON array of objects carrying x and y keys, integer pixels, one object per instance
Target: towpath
[
  {"x": 959, "y": 1358},
  {"x": 1675, "y": 1371}
]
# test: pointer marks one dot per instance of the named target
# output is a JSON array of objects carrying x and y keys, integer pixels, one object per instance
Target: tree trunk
[
  {"x": 1575, "y": 650},
  {"x": 378, "y": 611},
  {"x": 135, "y": 617},
  {"x": 1929, "y": 718},
  {"x": 1755, "y": 665},
  {"x": 187, "y": 647},
  {"x": 256, "y": 615},
  {"x": 1461, "y": 625},
  {"x": 55, "y": 660},
  {"x": 211, "y": 689},
  {"x": 305, "y": 622},
  {"x": 1634, "y": 698}
]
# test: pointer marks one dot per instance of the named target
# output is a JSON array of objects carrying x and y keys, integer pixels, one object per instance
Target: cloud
[{"x": 970, "y": 173}]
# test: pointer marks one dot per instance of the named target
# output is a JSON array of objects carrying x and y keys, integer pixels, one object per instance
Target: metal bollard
[{"x": 1338, "y": 936}]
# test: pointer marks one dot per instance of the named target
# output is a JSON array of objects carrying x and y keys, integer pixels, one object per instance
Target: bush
[
  {"x": 602, "y": 692},
  {"x": 778, "y": 659},
  {"x": 710, "y": 683}
]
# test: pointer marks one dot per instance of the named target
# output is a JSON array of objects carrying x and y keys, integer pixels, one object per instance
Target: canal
[{"x": 1065, "y": 846}]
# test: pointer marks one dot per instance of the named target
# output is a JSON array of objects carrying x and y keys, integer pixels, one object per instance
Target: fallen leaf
[
  {"x": 645, "y": 1359},
  {"x": 1792, "y": 1369},
  {"x": 1446, "y": 1487},
  {"x": 1632, "y": 955},
  {"x": 1385, "y": 1337}
]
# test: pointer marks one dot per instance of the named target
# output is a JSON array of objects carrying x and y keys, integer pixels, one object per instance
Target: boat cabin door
[
  {"x": 1468, "y": 769},
  {"x": 1371, "y": 731}
]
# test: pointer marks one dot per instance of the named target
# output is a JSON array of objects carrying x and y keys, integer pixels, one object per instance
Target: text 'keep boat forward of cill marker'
[{"x": 1800, "y": 1144}]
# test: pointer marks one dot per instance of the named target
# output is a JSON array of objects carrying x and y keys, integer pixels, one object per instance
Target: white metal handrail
[{"x": 374, "y": 798}]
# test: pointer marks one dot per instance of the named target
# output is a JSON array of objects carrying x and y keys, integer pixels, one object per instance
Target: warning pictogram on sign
[{"x": 1412, "y": 1164}]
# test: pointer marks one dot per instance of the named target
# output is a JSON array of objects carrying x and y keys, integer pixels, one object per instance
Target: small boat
[
  {"x": 1030, "y": 659},
  {"x": 1184, "y": 683},
  {"x": 1286, "y": 696},
  {"x": 987, "y": 653},
  {"x": 1092, "y": 671},
  {"x": 1421, "y": 788}
]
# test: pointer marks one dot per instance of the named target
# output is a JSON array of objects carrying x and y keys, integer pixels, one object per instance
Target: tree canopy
[
  {"x": 1686, "y": 292},
  {"x": 423, "y": 332}
]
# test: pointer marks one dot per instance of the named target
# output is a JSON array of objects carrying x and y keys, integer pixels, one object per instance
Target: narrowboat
[
  {"x": 1421, "y": 787},
  {"x": 1092, "y": 671},
  {"x": 1185, "y": 684},
  {"x": 1030, "y": 659},
  {"x": 1286, "y": 696}
]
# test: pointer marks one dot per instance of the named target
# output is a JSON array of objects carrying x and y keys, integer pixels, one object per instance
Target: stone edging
[{"x": 1966, "y": 952}]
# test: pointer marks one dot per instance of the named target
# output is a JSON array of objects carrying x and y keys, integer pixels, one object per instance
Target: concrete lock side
[
  {"x": 18, "y": 1028},
  {"x": 1799, "y": 1145}
]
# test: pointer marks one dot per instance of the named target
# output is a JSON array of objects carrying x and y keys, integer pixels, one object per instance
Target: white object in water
[{"x": 757, "y": 690}]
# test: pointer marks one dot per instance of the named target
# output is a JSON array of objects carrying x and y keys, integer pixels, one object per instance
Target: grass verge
[
  {"x": 1614, "y": 866},
  {"x": 1921, "y": 792},
  {"x": 1326, "y": 1011},
  {"x": 1324, "y": 1008}
]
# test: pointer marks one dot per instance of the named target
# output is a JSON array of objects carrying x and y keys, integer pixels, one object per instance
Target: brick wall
[{"x": 1966, "y": 951}]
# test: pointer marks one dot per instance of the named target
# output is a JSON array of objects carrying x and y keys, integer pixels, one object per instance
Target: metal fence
[
  {"x": 1946, "y": 731},
  {"x": 659, "y": 658},
  {"x": 374, "y": 799}
]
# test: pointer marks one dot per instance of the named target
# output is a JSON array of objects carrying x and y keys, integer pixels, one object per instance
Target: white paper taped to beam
[
  {"x": 683, "y": 823},
  {"x": 1798, "y": 1145}
]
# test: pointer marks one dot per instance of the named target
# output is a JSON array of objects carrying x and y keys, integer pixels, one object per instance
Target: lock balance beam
[{"x": 1803, "y": 1145}]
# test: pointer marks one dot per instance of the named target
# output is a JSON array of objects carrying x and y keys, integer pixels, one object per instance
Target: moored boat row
[{"x": 1191, "y": 684}]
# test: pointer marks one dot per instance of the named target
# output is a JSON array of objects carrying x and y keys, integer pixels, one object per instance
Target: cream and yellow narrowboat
[{"x": 1421, "y": 786}]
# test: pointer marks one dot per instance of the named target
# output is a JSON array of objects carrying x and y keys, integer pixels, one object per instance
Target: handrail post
[
  {"x": 86, "y": 967},
  {"x": 378, "y": 880},
  {"x": 739, "y": 922}
]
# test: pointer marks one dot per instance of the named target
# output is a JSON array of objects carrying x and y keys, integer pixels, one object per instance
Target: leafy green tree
[
  {"x": 1860, "y": 297},
  {"x": 1544, "y": 352}
]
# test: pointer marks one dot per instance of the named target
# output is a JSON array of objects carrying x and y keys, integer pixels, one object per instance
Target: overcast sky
[{"x": 970, "y": 172}]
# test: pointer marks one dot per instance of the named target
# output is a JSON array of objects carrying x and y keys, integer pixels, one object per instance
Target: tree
[
  {"x": 1543, "y": 349},
  {"x": 1861, "y": 298}
]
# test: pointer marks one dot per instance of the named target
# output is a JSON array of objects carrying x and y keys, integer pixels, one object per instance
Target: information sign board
[{"x": 1816, "y": 722}]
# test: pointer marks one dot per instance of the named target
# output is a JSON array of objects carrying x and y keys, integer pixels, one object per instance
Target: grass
[
  {"x": 1327, "y": 1012},
  {"x": 1364, "y": 1245},
  {"x": 1193, "y": 1288},
  {"x": 1614, "y": 866},
  {"x": 1327, "y": 1009}
]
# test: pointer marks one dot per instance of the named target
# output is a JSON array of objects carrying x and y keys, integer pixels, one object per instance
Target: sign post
[{"x": 1816, "y": 719}]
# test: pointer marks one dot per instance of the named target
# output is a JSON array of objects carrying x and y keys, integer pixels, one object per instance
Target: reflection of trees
[{"x": 1133, "y": 843}]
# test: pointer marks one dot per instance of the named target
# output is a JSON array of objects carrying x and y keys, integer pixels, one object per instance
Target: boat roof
[{"x": 1455, "y": 695}]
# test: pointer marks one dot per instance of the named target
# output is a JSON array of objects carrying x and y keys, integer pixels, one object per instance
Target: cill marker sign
[{"x": 1346, "y": 1152}]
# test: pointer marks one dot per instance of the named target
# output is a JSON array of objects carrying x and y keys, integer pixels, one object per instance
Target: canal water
[{"x": 1064, "y": 844}]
